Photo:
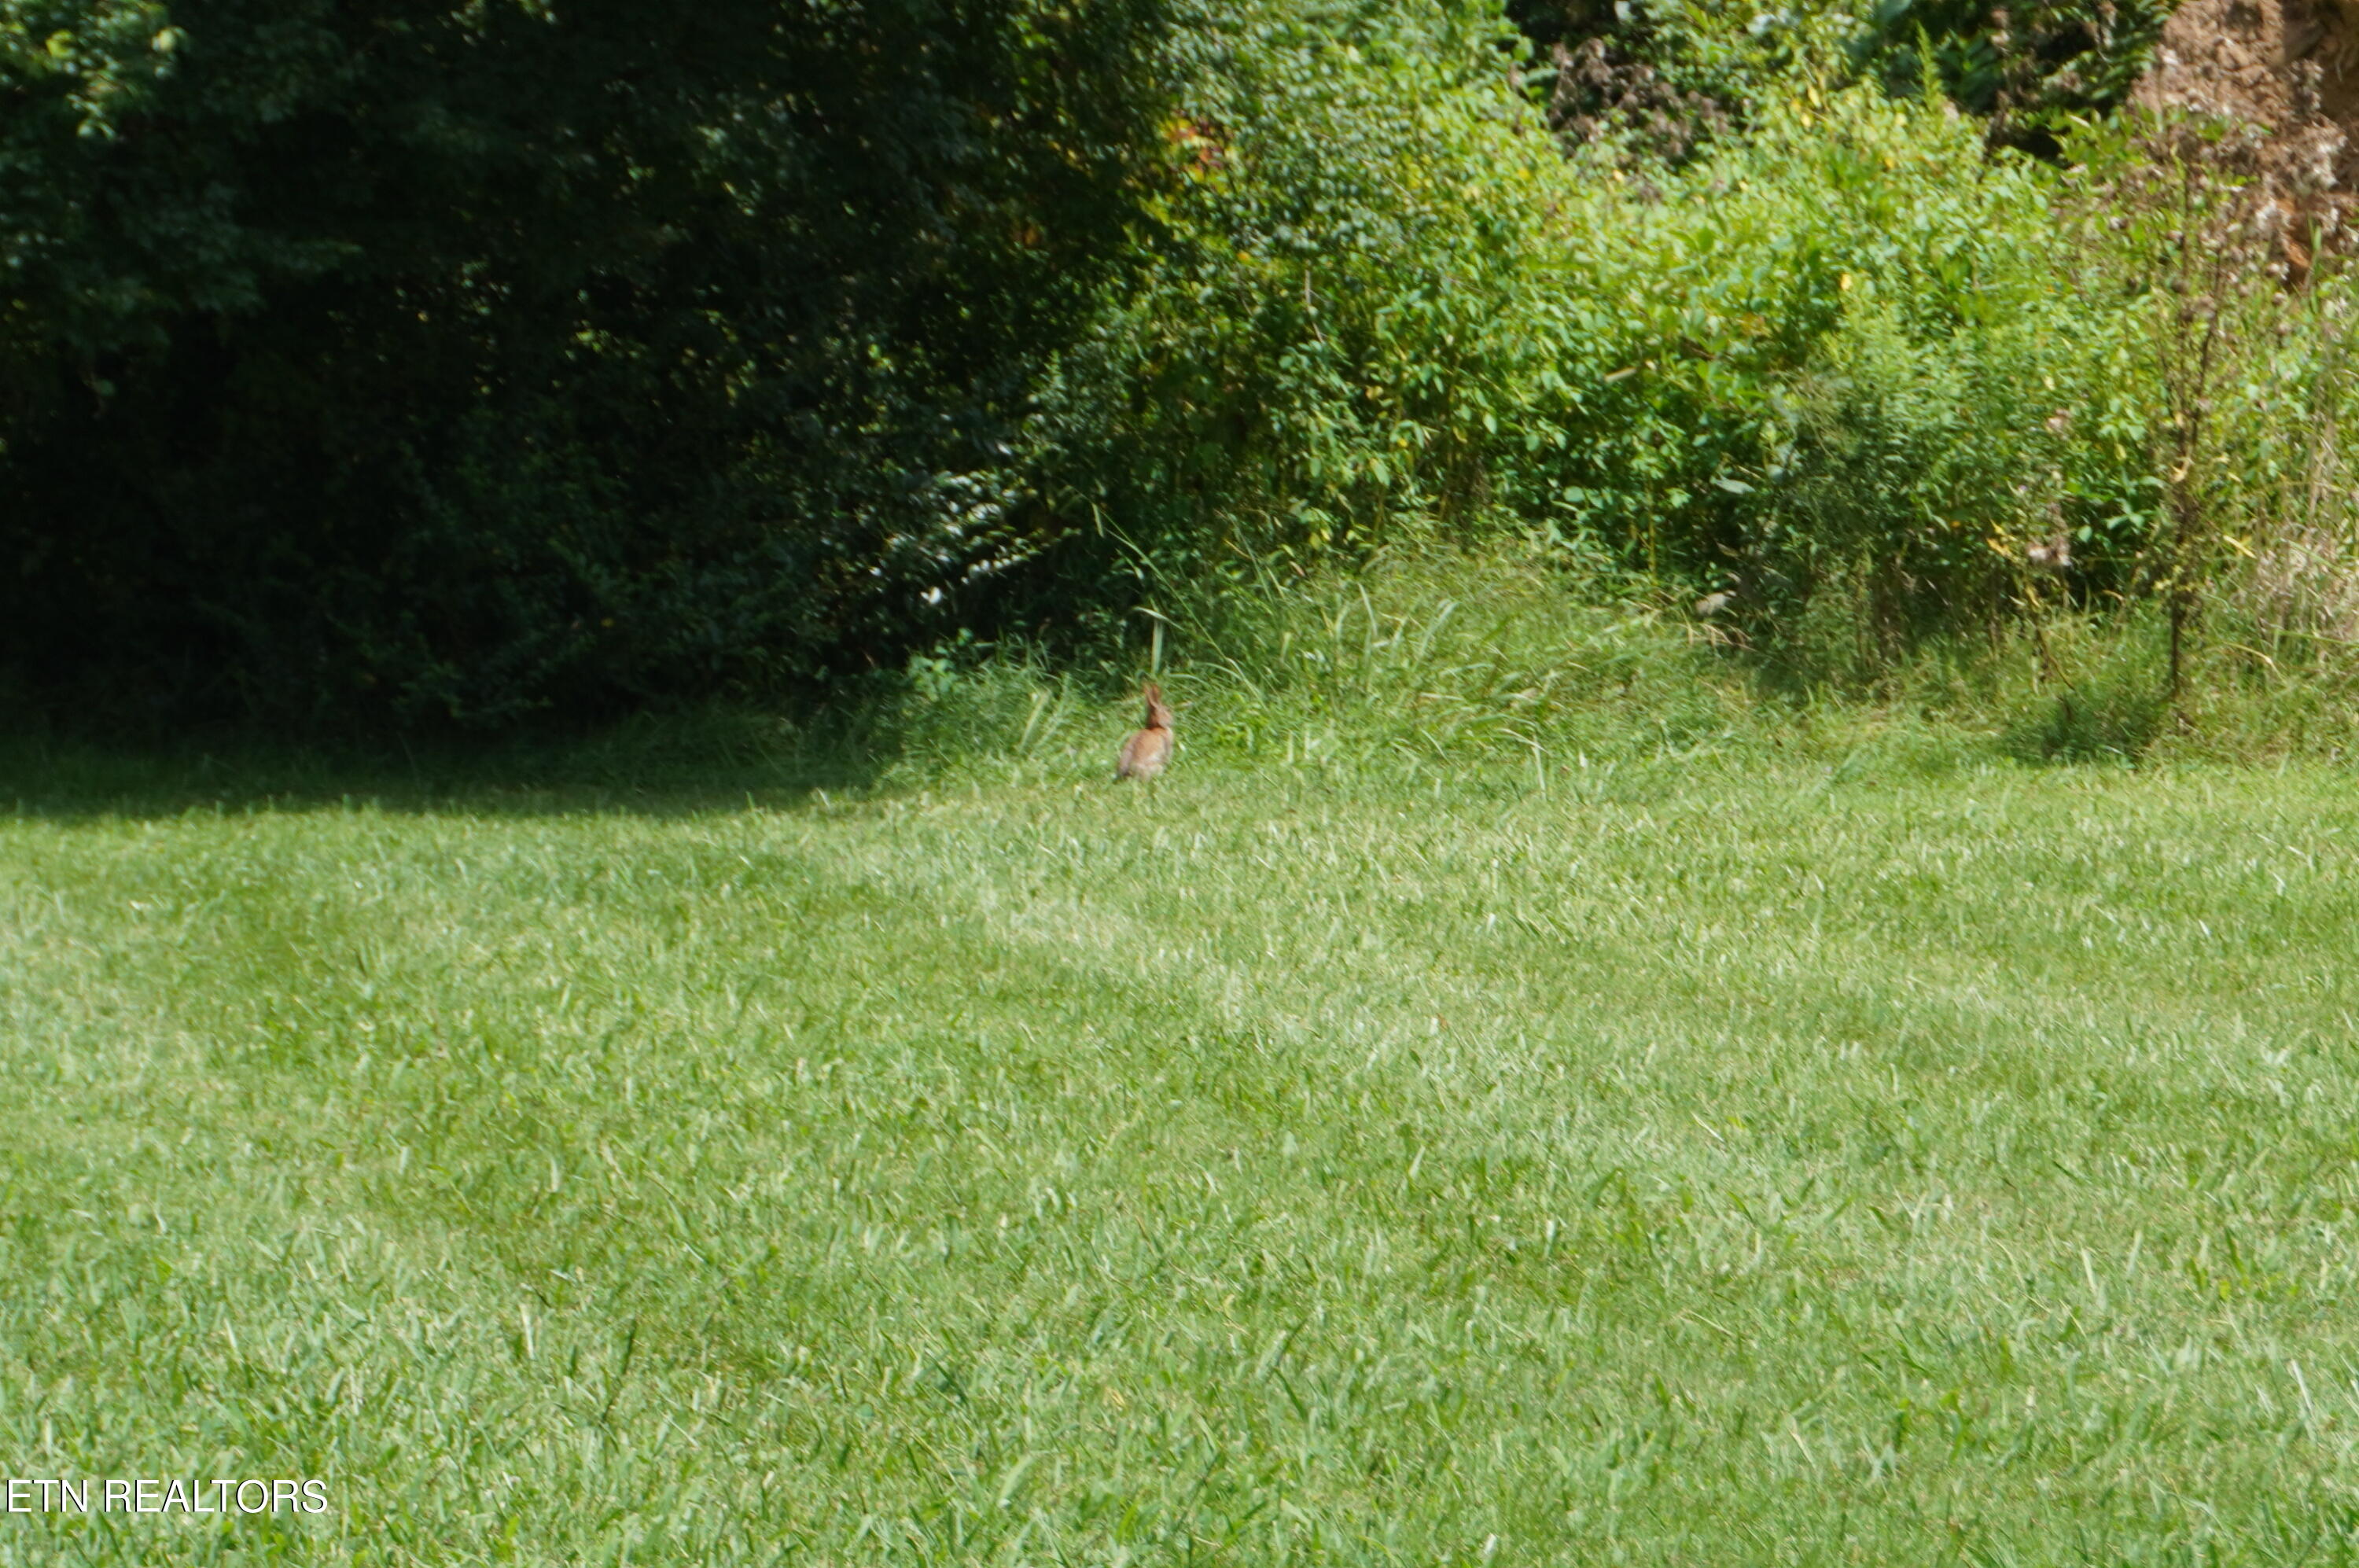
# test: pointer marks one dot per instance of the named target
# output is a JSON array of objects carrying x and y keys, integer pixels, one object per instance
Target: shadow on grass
[
  {"x": 675, "y": 764},
  {"x": 2109, "y": 723}
]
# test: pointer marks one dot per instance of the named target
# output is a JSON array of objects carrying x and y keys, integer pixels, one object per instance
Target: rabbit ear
[{"x": 1154, "y": 692}]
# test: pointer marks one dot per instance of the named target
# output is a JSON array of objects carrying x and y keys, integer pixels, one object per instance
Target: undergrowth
[
  {"x": 1505, "y": 664},
  {"x": 1508, "y": 661}
]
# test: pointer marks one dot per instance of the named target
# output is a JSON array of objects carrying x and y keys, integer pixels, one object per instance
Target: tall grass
[{"x": 1519, "y": 661}]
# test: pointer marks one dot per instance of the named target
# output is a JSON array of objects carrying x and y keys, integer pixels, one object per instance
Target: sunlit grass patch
[{"x": 1696, "y": 1157}]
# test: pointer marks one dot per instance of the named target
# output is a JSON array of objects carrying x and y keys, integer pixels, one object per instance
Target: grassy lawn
[{"x": 1695, "y": 1165}]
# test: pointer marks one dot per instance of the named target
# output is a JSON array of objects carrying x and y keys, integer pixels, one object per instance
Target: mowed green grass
[{"x": 1681, "y": 1166}]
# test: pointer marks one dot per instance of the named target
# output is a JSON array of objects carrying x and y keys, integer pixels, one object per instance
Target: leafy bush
[
  {"x": 1970, "y": 408},
  {"x": 1657, "y": 80},
  {"x": 1333, "y": 326},
  {"x": 1842, "y": 361},
  {"x": 474, "y": 361},
  {"x": 2031, "y": 67}
]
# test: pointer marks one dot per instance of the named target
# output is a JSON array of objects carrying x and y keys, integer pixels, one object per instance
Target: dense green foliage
[
  {"x": 467, "y": 361},
  {"x": 1873, "y": 377},
  {"x": 2030, "y": 65},
  {"x": 476, "y": 364},
  {"x": 1831, "y": 347}
]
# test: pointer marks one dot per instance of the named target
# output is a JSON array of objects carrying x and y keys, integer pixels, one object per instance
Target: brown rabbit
[{"x": 1146, "y": 750}]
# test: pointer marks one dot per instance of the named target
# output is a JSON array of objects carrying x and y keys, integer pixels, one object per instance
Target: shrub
[
  {"x": 1842, "y": 355},
  {"x": 469, "y": 363},
  {"x": 1332, "y": 328},
  {"x": 2029, "y": 65}
]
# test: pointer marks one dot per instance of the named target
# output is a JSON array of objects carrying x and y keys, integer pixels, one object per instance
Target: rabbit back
[{"x": 1144, "y": 754}]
